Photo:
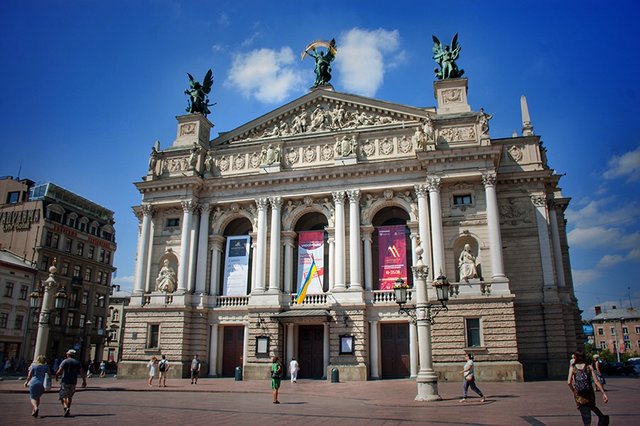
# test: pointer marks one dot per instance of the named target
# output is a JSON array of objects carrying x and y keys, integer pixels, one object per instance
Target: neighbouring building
[
  {"x": 42, "y": 222},
  {"x": 17, "y": 278},
  {"x": 115, "y": 325},
  {"x": 617, "y": 329},
  {"x": 339, "y": 190}
]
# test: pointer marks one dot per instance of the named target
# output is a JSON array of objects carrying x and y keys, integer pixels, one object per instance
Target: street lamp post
[
  {"x": 423, "y": 314},
  {"x": 44, "y": 302}
]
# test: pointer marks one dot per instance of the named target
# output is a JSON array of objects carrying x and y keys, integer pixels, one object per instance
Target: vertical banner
[
  {"x": 310, "y": 248},
  {"x": 392, "y": 255},
  {"x": 236, "y": 266}
]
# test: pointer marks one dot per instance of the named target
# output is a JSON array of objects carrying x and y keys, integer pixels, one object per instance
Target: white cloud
[
  {"x": 594, "y": 237},
  {"x": 264, "y": 74},
  {"x": 598, "y": 213},
  {"x": 584, "y": 276},
  {"x": 626, "y": 165},
  {"x": 610, "y": 260},
  {"x": 124, "y": 280},
  {"x": 361, "y": 59}
]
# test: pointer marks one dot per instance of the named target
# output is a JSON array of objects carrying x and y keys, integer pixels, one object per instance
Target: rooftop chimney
[{"x": 598, "y": 310}]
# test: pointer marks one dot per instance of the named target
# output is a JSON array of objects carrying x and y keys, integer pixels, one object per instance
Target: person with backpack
[
  {"x": 581, "y": 380},
  {"x": 163, "y": 367},
  {"x": 276, "y": 376}
]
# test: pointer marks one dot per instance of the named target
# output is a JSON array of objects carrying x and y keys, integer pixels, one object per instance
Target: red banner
[{"x": 392, "y": 255}]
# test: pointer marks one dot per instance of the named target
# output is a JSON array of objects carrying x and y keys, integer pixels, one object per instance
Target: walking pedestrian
[
  {"x": 276, "y": 376},
  {"x": 294, "y": 367},
  {"x": 468, "y": 374},
  {"x": 597, "y": 368},
  {"x": 38, "y": 371},
  {"x": 69, "y": 369},
  {"x": 163, "y": 367},
  {"x": 103, "y": 369},
  {"x": 581, "y": 380},
  {"x": 195, "y": 369}
]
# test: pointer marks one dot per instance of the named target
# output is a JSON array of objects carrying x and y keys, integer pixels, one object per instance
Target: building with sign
[
  {"x": 617, "y": 329},
  {"x": 44, "y": 222},
  {"x": 286, "y": 235}
]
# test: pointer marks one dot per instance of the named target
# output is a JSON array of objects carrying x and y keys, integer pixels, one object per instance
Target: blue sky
[{"x": 88, "y": 86}]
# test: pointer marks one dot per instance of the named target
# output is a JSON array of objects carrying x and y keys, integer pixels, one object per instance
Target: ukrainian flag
[{"x": 303, "y": 289}]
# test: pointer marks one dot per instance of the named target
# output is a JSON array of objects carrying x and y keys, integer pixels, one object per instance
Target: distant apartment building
[
  {"x": 617, "y": 329},
  {"x": 17, "y": 278},
  {"x": 42, "y": 223},
  {"x": 115, "y": 325}
]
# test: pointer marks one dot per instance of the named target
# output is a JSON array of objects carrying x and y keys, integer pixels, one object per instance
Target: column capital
[
  {"x": 262, "y": 203},
  {"x": 489, "y": 179},
  {"x": 338, "y": 196},
  {"x": 433, "y": 183},
  {"x": 188, "y": 206},
  {"x": 205, "y": 208},
  {"x": 147, "y": 210},
  {"x": 421, "y": 190},
  {"x": 354, "y": 195},
  {"x": 276, "y": 202},
  {"x": 538, "y": 200}
]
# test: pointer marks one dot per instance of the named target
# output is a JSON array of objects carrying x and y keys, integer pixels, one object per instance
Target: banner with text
[
  {"x": 311, "y": 245},
  {"x": 392, "y": 255},
  {"x": 236, "y": 267}
]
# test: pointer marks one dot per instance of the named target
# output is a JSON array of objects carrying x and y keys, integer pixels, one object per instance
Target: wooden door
[
  {"x": 232, "y": 346},
  {"x": 310, "y": 351},
  {"x": 394, "y": 350}
]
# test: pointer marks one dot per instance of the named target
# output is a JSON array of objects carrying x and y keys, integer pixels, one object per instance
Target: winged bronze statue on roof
[
  {"x": 323, "y": 59},
  {"x": 446, "y": 57},
  {"x": 198, "y": 101}
]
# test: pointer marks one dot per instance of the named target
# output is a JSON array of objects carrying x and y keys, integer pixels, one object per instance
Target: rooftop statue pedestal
[
  {"x": 193, "y": 128},
  {"x": 451, "y": 95}
]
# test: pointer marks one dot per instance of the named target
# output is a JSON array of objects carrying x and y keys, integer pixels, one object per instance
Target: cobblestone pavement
[{"x": 385, "y": 402}]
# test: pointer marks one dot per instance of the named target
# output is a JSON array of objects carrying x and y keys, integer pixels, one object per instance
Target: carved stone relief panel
[{"x": 515, "y": 212}]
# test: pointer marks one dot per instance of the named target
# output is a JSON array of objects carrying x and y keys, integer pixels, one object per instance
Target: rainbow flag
[{"x": 302, "y": 292}]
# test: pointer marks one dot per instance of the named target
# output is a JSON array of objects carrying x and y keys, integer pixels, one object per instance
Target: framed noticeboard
[
  {"x": 262, "y": 346},
  {"x": 346, "y": 345}
]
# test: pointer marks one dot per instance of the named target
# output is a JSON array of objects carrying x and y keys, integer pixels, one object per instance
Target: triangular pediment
[{"x": 321, "y": 111}]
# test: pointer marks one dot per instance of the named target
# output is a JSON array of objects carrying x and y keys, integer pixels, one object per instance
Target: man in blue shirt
[{"x": 70, "y": 368}]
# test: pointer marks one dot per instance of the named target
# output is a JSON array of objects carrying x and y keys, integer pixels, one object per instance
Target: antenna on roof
[
  {"x": 629, "y": 296},
  {"x": 19, "y": 169}
]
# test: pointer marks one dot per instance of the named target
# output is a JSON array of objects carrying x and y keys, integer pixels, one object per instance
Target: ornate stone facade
[{"x": 347, "y": 167}]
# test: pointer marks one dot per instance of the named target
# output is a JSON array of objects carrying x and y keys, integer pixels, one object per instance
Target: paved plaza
[{"x": 310, "y": 402}]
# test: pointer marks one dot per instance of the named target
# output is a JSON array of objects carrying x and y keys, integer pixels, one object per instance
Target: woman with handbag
[
  {"x": 581, "y": 380},
  {"x": 38, "y": 372},
  {"x": 276, "y": 376},
  {"x": 469, "y": 376}
]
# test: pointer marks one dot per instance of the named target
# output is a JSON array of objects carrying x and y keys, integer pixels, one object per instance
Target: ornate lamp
[
  {"x": 441, "y": 284},
  {"x": 400, "y": 291}
]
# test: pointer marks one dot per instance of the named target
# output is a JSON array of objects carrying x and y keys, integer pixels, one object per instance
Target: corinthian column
[
  {"x": 274, "y": 260},
  {"x": 493, "y": 224},
  {"x": 203, "y": 242},
  {"x": 185, "y": 244},
  {"x": 143, "y": 249},
  {"x": 423, "y": 219},
  {"x": 354, "y": 239},
  {"x": 261, "y": 245},
  {"x": 339, "y": 254},
  {"x": 433, "y": 184}
]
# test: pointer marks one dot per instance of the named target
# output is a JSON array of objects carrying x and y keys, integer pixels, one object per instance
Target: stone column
[
  {"x": 540, "y": 204},
  {"x": 193, "y": 255},
  {"x": 185, "y": 244},
  {"x": 203, "y": 242},
  {"x": 557, "y": 247},
  {"x": 290, "y": 329},
  {"x": 213, "y": 350},
  {"x": 332, "y": 261},
  {"x": 149, "y": 282},
  {"x": 274, "y": 260},
  {"x": 368, "y": 257},
  {"x": 339, "y": 256},
  {"x": 493, "y": 225},
  {"x": 374, "y": 349},
  {"x": 413, "y": 348},
  {"x": 141, "y": 265},
  {"x": 433, "y": 184},
  {"x": 217, "y": 247},
  {"x": 355, "y": 281},
  {"x": 423, "y": 219},
  {"x": 325, "y": 349},
  {"x": 245, "y": 346},
  {"x": 261, "y": 245},
  {"x": 288, "y": 239}
]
